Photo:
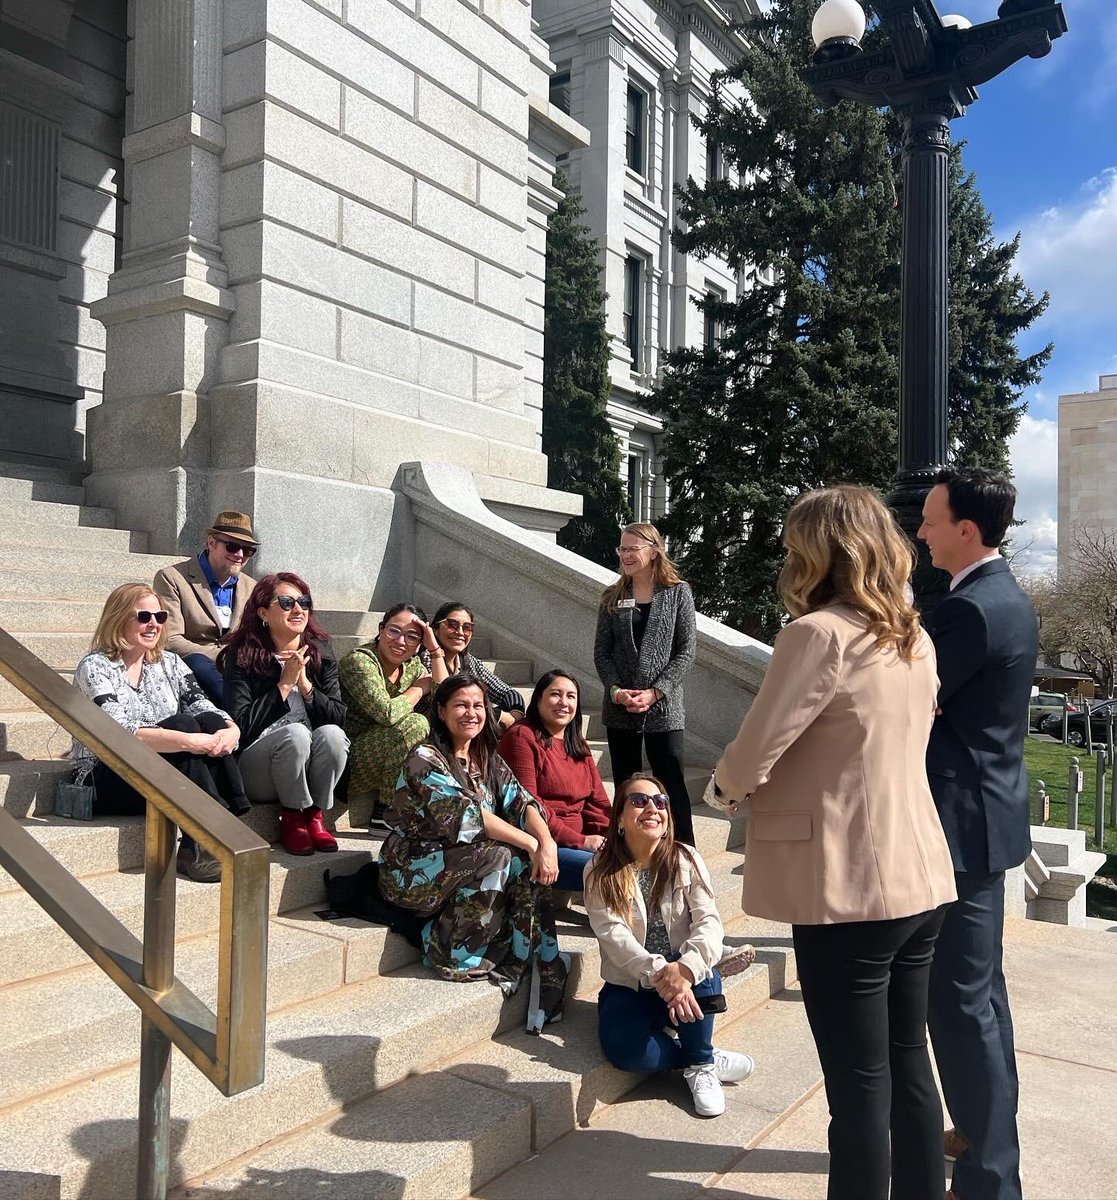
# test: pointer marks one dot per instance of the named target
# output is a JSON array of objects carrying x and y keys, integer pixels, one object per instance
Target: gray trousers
[{"x": 296, "y": 766}]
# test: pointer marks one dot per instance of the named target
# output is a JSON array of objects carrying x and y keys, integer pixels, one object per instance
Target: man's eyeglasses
[
  {"x": 236, "y": 547},
  {"x": 143, "y": 617},
  {"x": 288, "y": 602},
  {"x": 456, "y": 626},
  {"x": 642, "y": 799},
  {"x": 411, "y": 636}
]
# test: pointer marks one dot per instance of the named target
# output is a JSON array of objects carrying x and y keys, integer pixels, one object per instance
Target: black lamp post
[{"x": 927, "y": 74}]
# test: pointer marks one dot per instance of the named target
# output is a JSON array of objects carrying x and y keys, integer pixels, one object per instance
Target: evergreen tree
[
  {"x": 583, "y": 452},
  {"x": 801, "y": 388}
]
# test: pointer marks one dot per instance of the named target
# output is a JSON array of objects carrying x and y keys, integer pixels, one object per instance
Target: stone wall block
[
  {"x": 378, "y": 346},
  {"x": 486, "y": 42},
  {"x": 529, "y": 465},
  {"x": 266, "y": 309},
  {"x": 513, "y": 16},
  {"x": 283, "y": 438},
  {"x": 87, "y": 165},
  {"x": 499, "y": 385},
  {"x": 499, "y": 427},
  {"x": 165, "y": 352},
  {"x": 92, "y": 248},
  {"x": 474, "y": 132},
  {"x": 88, "y": 205},
  {"x": 382, "y": 441},
  {"x": 266, "y": 69},
  {"x": 389, "y": 241},
  {"x": 500, "y": 289},
  {"x": 469, "y": 227},
  {"x": 244, "y": 136},
  {"x": 444, "y": 368},
  {"x": 464, "y": 324},
  {"x": 173, "y": 193},
  {"x": 419, "y": 151},
  {"x": 503, "y": 196},
  {"x": 300, "y": 202},
  {"x": 170, "y": 430},
  {"x": 503, "y": 103}
]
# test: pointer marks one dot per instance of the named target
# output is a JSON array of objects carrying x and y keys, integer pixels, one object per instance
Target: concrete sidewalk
[{"x": 771, "y": 1143}]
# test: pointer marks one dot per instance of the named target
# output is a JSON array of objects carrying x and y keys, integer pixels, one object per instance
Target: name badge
[{"x": 626, "y": 603}]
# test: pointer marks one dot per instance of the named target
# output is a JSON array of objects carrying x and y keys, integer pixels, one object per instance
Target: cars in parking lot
[
  {"x": 1045, "y": 705},
  {"x": 1076, "y": 724}
]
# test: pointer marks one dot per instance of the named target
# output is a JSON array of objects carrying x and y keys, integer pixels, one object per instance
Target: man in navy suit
[{"x": 986, "y": 639}]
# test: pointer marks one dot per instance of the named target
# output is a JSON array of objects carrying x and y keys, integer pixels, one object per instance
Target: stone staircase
[{"x": 380, "y": 1080}]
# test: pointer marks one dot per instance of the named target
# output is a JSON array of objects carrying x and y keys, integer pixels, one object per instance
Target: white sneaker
[
  {"x": 705, "y": 1087},
  {"x": 733, "y": 1067}
]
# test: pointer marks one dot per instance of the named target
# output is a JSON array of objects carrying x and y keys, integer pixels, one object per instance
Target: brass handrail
[{"x": 227, "y": 1046}]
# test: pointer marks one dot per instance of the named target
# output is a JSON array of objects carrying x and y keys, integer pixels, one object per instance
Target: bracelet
[
  {"x": 613, "y": 693},
  {"x": 437, "y": 653}
]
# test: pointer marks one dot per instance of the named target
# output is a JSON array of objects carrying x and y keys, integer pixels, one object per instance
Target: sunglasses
[
  {"x": 288, "y": 602},
  {"x": 236, "y": 548},
  {"x": 456, "y": 626},
  {"x": 410, "y": 636},
  {"x": 642, "y": 799},
  {"x": 143, "y": 617}
]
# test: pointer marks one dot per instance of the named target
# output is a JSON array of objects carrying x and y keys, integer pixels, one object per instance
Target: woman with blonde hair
[
  {"x": 844, "y": 842},
  {"x": 154, "y": 695},
  {"x": 643, "y": 650}
]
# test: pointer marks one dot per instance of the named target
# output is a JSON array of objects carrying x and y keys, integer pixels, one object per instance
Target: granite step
[
  {"x": 35, "y": 468},
  {"x": 48, "y": 612},
  {"x": 32, "y": 734},
  {"x": 12, "y": 698},
  {"x": 15, "y": 489},
  {"x": 123, "y": 563},
  {"x": 36, "y": 512},
  {"x": 67, "y": 582},
  {"x": 27, "y": 786},
  {"x": 56, "y": 648},
  {"x": 61, "y": 537}
]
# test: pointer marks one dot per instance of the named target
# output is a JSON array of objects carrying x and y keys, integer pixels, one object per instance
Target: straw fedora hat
[{"x": 235, "y": 526}]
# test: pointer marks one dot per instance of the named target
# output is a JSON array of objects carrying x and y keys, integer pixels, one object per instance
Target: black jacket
[
  {"x": 986, "y": 639},
  {"x": 254, "y": 702}
]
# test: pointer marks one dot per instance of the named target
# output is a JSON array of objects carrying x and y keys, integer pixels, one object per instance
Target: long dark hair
[
  {"x": 613, "y": 869},
  {"x": 251, "y": 644},
  {"x": 572, "y": 737},
  {"x": 482, "y": 750}
]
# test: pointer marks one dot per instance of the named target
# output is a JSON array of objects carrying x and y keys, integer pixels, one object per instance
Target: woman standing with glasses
[
  {"x": 643, "y": 650},
  {"x": 651, "y": 905},
  {"x": 281, "y": 682},
  {"x": 153, "y": 694},
  {"x": 454, "y": 626},
  {"x": 382, "y": 683}
]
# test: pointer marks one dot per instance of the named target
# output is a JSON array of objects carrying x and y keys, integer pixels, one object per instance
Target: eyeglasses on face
[
  {"x": 288, "y": 602},
  {"x": 143, "y": 617},
  {"x": 236, "y": 547},
  {"x": 642, "y": 799},
  {"x": 411, "y": 636},
  {"x": 622, "y": 550},
  {"x": 456, "y": 626}
]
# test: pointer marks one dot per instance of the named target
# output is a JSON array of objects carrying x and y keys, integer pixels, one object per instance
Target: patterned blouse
[
  {"x": 656, "y": 940},
  {"x": 502, "y": 696},
  {"x": 166, "y": 687}
]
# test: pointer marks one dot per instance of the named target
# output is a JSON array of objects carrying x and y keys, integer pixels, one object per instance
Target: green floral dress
[
  {"x": 382, "y": 727},
  {"x": 487, "y": 919}
]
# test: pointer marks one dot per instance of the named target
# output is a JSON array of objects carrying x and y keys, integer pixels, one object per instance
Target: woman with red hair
[{"x": 281, "y": 678}]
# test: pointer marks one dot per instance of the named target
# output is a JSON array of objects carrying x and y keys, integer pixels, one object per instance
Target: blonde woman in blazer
[
  {"x": 659, "y": 970},
  {"x": 844, "y": 841}
]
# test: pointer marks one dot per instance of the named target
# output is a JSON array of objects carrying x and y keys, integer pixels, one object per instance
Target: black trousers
[
  {"x": 217, "y": 777},
  {"x": 865, "y": 991},
  {"x": 971, "y": 1032},
  {"x": 665, "y": 761}
]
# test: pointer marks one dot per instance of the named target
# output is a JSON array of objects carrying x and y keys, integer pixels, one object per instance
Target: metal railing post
[
  {"x": 1100, "y": 764},
  {"x": 1074, "y": 786},
  {"x": 154, "y": 1135},
  {"x": 1066, "y": 717}
]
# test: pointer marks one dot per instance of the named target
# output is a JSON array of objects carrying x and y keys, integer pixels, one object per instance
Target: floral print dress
[{"x": 487, "y": 919}]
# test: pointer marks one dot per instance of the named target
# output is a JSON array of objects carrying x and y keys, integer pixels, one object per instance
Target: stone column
[{"x": 168, "y": 305}]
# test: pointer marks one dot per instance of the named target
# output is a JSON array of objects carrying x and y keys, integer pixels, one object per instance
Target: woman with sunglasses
[
  {"x": 382, "y": 684},
  {"x": 844, "y": 840},
  {"x": 470, "y": 849},
  {"x": 643, "y": 650},
  {"x": 651, "y": 905},
  {"x": 281, "y": 684},
  {"x": 549, "y": 755},
  {"x": 453, "y": 626},
  {"x": 153, "y": 694}
]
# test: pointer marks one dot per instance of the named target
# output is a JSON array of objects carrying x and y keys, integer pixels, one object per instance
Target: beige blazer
[
  {"x": 832, "y": 756},
  {"x": 193, "y": 624},
  {"x": 690, "y": 916}
]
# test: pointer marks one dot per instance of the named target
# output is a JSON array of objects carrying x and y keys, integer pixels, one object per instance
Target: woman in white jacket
[{"x": 663, "y": 970}]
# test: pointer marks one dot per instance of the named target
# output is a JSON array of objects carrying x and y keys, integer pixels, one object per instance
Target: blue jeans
[
  {"x": 571, "y": 864},
  {"x": 631, "y": 1023},
  {"x": 208, "y": 676}
]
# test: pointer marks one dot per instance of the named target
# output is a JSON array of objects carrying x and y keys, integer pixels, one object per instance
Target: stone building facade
[
  {"x": 635, "y": 72},
  {"x": 1087, "y": 462},
  {"x": 299, "y": 241}
]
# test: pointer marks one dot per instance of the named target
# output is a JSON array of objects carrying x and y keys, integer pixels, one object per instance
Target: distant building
[
  {"x": 634, "y": 73},
  {"x": 1087, "y": 462}
]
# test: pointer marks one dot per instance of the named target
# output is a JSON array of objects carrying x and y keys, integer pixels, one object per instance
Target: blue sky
[{"x": 1042, "y": 139}]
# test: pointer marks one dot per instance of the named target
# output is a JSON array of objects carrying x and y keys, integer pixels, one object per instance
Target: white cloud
[
  {"x": 1068, "y": 251},
  {"x": 1034, "y": 450}
]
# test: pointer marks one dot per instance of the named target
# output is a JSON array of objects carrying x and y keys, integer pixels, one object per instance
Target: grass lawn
[{"x": 1050, "y": 761}]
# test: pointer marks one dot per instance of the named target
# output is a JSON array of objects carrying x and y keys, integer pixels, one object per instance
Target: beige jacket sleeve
[
  {"x": 702, "y": 950},
  {"x": 621, "y": 947},
  {"x": 166, "y": 586},
  {"x": 801, "y": 680}
]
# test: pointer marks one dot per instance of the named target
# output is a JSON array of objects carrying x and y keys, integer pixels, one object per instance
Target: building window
[
  {"x": 30, "y": 154},
  {"x": 560, "y": 91},
  {"x": 637, "y": 483},
  {"x": 714, "y": 165},
  {"x": 633, "y": 307},
  {"x": 712, "y": 328},
  {"x": 635, "y": 129}
]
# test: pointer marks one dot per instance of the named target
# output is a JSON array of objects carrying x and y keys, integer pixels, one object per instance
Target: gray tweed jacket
[{"x": 666, "y": 655}]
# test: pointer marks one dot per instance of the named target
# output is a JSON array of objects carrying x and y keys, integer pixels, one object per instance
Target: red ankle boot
[
  {"x": 292, "y": 832},
  {"x": 321, "y": 838}
]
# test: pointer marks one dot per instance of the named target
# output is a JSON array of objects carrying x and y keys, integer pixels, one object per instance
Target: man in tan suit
[{"x": 205, "y": 597}]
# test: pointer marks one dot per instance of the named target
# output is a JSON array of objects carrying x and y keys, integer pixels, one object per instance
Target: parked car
[
  {"x": 1076, "y": 724},
  {"x": 1045, "y": 705}
]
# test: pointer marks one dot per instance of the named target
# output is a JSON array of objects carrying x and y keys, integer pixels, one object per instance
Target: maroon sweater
[{"x": 570, "y": 791}]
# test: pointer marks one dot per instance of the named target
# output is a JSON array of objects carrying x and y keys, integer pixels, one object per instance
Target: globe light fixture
[
  {"x": 837, "y": 30},
  {"x": 955, "y": 21}
]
